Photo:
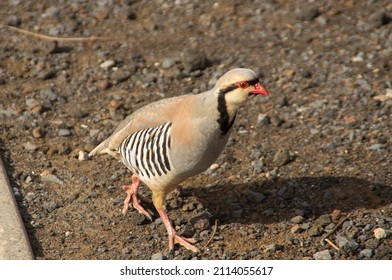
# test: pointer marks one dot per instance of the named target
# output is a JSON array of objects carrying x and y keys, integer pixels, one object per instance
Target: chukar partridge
[{"x": 172, "y": 139}]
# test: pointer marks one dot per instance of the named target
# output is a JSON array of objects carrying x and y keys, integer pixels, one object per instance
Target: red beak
[{"x": 259, "y": 90}]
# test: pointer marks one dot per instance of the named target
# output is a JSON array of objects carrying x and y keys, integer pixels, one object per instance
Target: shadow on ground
[{"x": 315, "y": 196}]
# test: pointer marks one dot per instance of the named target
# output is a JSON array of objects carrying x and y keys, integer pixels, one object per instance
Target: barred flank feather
[{"x": 146, "y": 152}]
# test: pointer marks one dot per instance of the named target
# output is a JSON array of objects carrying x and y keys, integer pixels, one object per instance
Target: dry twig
[
  {"x": 332, "y": 244},
  {"x": 334, "y": 229},
  {"x": 58, "y": 39},
  {"x": 212, "y": 235}
]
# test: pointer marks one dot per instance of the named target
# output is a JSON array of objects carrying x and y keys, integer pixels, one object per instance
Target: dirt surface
[{"x": 313, "y": 157}]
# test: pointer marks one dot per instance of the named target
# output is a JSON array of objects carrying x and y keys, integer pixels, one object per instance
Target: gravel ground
[{"x": 313, "y": 159}]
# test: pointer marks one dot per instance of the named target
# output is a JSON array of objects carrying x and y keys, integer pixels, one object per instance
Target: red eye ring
[{"x": 242, "y": 85}]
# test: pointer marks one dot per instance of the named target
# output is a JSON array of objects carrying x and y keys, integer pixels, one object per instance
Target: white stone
[
  {"x": 107, "y": 64},
  {"x": 380, "y": 233},
  {"x": 214, "y": 166},
  {"x": 83, "y": 156}
]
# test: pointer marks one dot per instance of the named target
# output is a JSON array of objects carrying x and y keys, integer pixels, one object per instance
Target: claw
[
  {"x": 174, "y": 238},
  {"x": 132, "y": 198}
]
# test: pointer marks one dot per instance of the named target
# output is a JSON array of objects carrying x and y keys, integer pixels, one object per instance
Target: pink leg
[
  {"x": 132, "y": 197},
  {"x": 173, "y": 237}
]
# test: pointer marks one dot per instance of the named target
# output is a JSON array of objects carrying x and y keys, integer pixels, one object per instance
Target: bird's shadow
[{"x": 285, "y": 198}]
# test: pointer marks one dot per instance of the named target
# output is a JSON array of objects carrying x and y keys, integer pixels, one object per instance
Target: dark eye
[{"x": 242, "y": 84}]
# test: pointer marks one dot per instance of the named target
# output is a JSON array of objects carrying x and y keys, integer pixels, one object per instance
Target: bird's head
[{"x": 237, "y": 85}]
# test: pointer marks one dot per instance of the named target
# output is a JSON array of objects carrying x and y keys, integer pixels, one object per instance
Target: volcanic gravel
[{"x": 307, "y": 173}]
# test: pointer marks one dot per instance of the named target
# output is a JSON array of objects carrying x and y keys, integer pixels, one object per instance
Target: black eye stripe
[
  {"x": 253, "y": 82},
  {"x": 234, "y": 86}
]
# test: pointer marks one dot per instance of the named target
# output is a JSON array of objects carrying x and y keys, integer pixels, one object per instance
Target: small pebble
[
  {"x": 120, "y": 76},
  {"x": 13, "y": 20},
  {"x": 52, "y": 179},
  {"x": 282, "y": 157},
  {"x": 297, "y": 219},
  {"x": 366, "y": 253},
  {"x": 380, "y": 233},
  {"x": 30, "y": 147},
  {"x": 82, "y": 156},
  {"x": 274, "y": 247},
  {"x": 214, "y": 166},
  {"x": 64, "y": 132},
  {"x": 295, "y": 229},
  {"x": 158, "y": 257},
  {"x": 262, "y": 120},
  {"x": 168, "y": 62},
  {"x": 322, "y": 255},
  {"x": 324, "y": 220},
  {"x": 37, "y": 132},
  {"x": 256, "y": 197},
  {"x": 193, "y": 59},
  {"x": 346, "y": 243},
  {"x": 315, "y": 231},
  {"x": 107, "y": 64}
]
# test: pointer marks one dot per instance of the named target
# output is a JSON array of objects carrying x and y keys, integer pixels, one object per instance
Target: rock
[
  {"x": 37, "y": 132},
  {"x": 30, "y": 147},
  {"x": 346, "y": 244},
  {"x": 51, "y": 179},
  {"x": 102, "y": 249},
  {"x": 258, "y": 165},
  {"x": 282, "y": 157},
  {"x": 82, "y": 156},
  {"x": 158, "y": 256},
  {"x": 168, "y": 63},
  {"x": 214, "y": 166},
  {"x": 193, "y": 59},
  {"x": 305, "y": 226},
  {"x": 64, "y": 132},
  {"x": 120, "y": 76},
  {"x": 201, "y": 222},
  {"x": 336, "y": 214},
  {"x": 297, "y": 219},
  {"x": 50, "y": 206},
  {"x": 315, "y": 231},
  {"x": 376, "y": 147},
  {"x": 126, "y": 251},
  {"x": 322, "y": 255},
  {"x": 49, "y": 94},
  {"x": 102, "y": 84},
  {"x": 274, "y": 247},
  {"x": 379, "y": 18},
  {"x": 47, "y": 74},
  {"x": 237, "y": 213},
  {"x": 13, "y": 20},
  {"x": 309, "y": 14},
  {"x": 138, "y": 218},
  {"x": 366, "y": 253},
  {"x": 33, "y": 105},
  {"x": 262, "y": 120},
  {"x": 295, "y": 229},
  {"x": 254, "y": 196},
  {"x": 282, "y": 191},
  {"x": 380, "y": 233},
  {"x": 107, "y": 64},
  {"x": 324, "y": 220}
]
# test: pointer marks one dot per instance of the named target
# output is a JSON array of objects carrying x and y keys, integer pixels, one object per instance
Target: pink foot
[
  {"x": 174, "y": 237},
  {"x": 132, "y": 197}
]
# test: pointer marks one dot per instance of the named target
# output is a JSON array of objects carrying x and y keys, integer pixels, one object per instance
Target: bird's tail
[{"x": 100, "y": 149}]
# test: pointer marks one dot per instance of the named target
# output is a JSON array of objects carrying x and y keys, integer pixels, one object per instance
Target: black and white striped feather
[{"x": 147, "y": 152}]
